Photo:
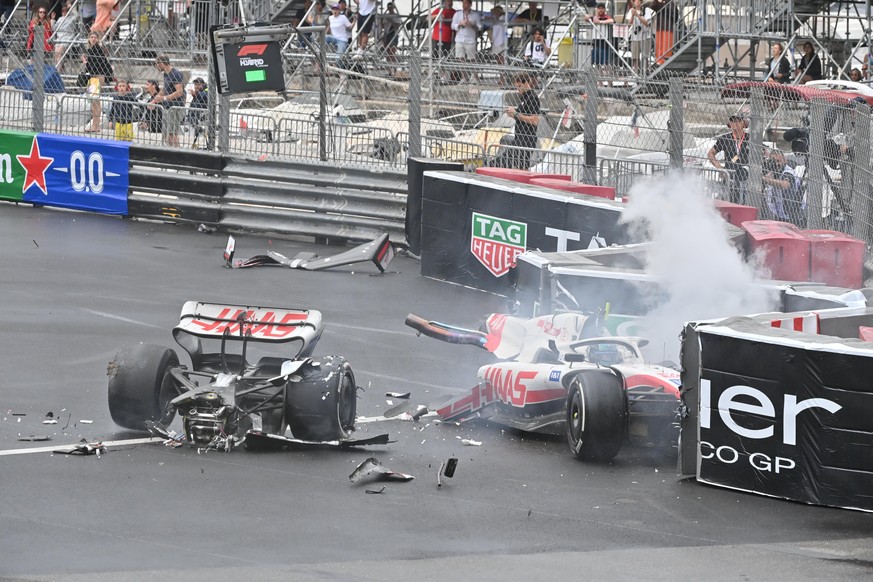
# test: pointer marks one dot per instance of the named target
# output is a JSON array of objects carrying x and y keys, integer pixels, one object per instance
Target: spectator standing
[
  {"x": 498, "y": 34},
  {"x": 532, "y": 15},
  {"x": 172, "y": 96},
  {"x": 735, "y": 148},
  {"x": 780, "y": 66},
  {"x": 65, "y": 31},
  {"x": 364, "y": 21},
  {"x": 197, "y": 107},
  {"x": 40, "y": 20},
  {"x": 98, "y": 70},
  {"x": 466, "y": 23},
  {"x": 666, "y": 17},
  {"x": 538, "y": 49},
  {"x": 601, "y": 21},
  {"x": 527, "y": 119},
  {"x": 809, "y": 68},
  {"x": 391, "y": 24},
  {"x": 856, "y": 76},
  {"x": 639, "y": 21},
  {"x": 340, "y": 31},
  {"x": 7, "y": 9},
  {"x": 300, "y": 15},
  {"x": 152, "y": 119},
  {"x": 442, "y": 29},
  {"x": 89, "y": 12},
  {"x": 125, "y": 110}
]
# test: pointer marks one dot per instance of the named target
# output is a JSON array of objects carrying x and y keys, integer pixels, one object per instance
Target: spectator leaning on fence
[
  {"x": 736, "y": 157},
  {"x": 124, "y": 112},
  {"x": 527, "y": 119},
  {"x": 172, "y": 96},
  {"x": 602, "y": 24},
  {"x": 442, "y": 29},
  {"x": 41, "y": 21},
  {"x": 809, "y": 68},
  {"x": 780, "y": 65},
  {"x": 783, "y": 192},
  {"x": 466, "y": 23},
  {"x": 639, "y": 22}
]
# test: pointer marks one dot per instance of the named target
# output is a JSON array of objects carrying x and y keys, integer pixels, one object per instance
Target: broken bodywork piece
[
  {"x": 268, "y": 384},
  {"x": 372, "y": 470},
  {"x": 378, "y": 251},
  {"x": 447, "y": 469}
]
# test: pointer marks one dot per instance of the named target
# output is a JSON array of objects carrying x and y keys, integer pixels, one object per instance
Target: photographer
[
  {"x": 735, "y": 147},
  {"x": 639, "y": 21},
  {"x": 783, "y": 192}
]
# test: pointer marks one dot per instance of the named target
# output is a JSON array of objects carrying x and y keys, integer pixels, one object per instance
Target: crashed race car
[
  {"x": 271, "y": 382},
  {"x": 558, "y": 374}
]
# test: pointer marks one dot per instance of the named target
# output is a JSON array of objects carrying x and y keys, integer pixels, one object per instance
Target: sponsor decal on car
[
  {"x": 555, "y": 376},
  {"x": 496, "y": 242},
  {"x": 264, "y": 324}
]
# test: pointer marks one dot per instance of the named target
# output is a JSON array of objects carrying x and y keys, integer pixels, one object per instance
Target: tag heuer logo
[{"x": 497, "y": 241}]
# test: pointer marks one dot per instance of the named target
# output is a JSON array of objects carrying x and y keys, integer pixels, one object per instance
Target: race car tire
[
  {"x": 321, "y": 403},
  {"x": 140, "y": 385},
  {"x": 597, "y": 415}
]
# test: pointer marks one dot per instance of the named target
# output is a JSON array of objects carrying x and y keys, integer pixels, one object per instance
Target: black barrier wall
[
  {"x": 779, "y": 415},
  {"x": 473, "y": 226},
  {"x": 416, "y": 167}
]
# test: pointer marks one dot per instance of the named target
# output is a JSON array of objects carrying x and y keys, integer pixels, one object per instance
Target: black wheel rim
[{"x": 576, "y": 416}]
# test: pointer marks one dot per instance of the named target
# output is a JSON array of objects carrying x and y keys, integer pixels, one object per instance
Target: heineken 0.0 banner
[{"x": 65, "y": 171}]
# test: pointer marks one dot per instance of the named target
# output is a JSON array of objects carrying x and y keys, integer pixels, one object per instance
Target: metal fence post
[
  {"x": 223, "y": 123},
  {"x": 415, "y": 104},
  {"x": 322, "y": 96},
  {"x": 815, "y": 169},
  {"x": 589, "y": 127},
  {"x": 862, "y": 179},
  {"x": 38, "y": 93},
  {"x": 676, "y": 123},
  {"x": 212, "y": 94},
  {"x": 756, "y": 150}
]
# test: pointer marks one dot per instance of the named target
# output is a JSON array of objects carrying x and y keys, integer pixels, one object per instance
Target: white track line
[
  {"x": 52, "y": 449},
  {"x": 120, "y": 318}
]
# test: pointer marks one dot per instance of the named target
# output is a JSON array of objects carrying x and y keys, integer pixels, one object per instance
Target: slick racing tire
[
  {"x": 597, "y": 415},
  {"x": 321, "y": 403},
  {"x": 140, "y": 385}
]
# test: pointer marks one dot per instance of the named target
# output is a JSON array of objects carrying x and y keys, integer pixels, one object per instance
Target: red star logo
[{"x": 35, "y": 165}]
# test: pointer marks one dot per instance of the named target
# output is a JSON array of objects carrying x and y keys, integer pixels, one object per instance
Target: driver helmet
[{"x": 605, "y": 354}]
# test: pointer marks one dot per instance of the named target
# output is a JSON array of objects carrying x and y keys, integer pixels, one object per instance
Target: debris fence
[{"x": 410, "y": 98}]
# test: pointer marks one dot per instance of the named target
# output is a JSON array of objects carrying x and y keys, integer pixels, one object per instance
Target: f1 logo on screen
[{"x": 64, "y": 171}]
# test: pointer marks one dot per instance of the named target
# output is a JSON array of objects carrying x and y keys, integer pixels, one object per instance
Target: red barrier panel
[
  {"x": 576, "y": 187},
  {"x": 836, "y": 259},
  {"x": 785, "y": 249},
  {"x": 524, "y": 176},
  {"x": 736, "y": 214}
]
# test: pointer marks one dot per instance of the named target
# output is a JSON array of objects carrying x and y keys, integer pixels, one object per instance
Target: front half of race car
[
  {"x": 233, "y": 394},
  {"x": 597, "y": 390}
]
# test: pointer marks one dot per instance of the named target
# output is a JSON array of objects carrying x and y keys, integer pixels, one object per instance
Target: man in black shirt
[
  {"x": 527, "y": 117},
  {"x": 736, "y": 157}
]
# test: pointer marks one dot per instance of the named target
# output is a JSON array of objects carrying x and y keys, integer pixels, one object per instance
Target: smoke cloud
[{"x": 704, "y": 275}]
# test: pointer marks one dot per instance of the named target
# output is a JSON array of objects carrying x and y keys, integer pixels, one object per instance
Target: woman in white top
[
  {"x": 340, "y": 31},
  {"x": 539, "y": 49},
  {"x": 639, "y": 22}
]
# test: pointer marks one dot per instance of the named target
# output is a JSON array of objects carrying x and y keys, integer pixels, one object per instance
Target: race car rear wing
[{"x": 262, "y": 324}]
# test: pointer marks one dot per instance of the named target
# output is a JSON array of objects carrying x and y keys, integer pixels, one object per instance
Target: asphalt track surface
[{"x": 76, "y": 287}]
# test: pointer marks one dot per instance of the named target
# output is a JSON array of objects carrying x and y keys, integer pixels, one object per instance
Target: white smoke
[{"x": 704, "y": 275}]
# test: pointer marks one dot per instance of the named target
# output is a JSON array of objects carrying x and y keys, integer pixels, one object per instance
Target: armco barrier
[{"x": 267, "y": 197}]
